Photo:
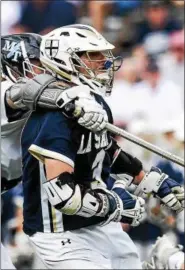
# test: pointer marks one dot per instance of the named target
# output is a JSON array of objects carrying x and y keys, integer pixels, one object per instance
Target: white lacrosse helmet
[{"x": 61, "y": 52}]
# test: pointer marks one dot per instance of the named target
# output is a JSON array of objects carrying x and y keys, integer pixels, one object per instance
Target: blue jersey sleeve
[{"x": 52, "y": 137}]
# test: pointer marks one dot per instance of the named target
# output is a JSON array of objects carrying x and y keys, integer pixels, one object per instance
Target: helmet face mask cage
[
  {"x": 10, "y": 71},
  {"x": 103, "y": 73},
  {"x": 31, "y": 55},
  {"x": 29, "y": 69}
]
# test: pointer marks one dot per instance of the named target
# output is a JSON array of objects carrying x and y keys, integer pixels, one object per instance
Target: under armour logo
[{"x": 65, "y": 242}]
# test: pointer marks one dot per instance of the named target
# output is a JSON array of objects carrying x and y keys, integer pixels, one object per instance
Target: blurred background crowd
[{"x": 147, "y": 97}]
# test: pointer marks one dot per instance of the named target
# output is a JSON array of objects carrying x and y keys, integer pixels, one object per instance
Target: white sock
[{"x": 176, "y": 260}]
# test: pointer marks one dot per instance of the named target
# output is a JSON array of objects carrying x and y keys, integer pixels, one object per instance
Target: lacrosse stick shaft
[
  {"x": 77, "y": 112},
  {"x": 153, "y": 148}
]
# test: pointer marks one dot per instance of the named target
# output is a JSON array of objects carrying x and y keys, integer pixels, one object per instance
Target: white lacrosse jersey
[{"x": 11, "y": 167}]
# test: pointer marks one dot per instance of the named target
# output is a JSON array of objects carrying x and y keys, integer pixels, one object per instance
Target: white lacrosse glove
[
  {"x": 166, "y": 189},
  {"x": 161, "y": 253},
  {"x": 123, "y": 207},
  {"x": 94, "y": 117},
  {"x": 91, "y": 114}
]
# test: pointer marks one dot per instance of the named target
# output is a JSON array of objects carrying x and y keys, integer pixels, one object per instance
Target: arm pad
[
  {"x": 42, "y": 91},
  {"x": 27, "y": 93},
  {"x": 73, "y": 199},
  {"x": 123, "y": 162},
  {"x": 63, "y": 194}
]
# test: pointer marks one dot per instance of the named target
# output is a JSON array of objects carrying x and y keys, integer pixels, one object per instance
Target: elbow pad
[
  {"x": 72, "y": 199},
  {"x": 123, "y": 162},
  {"x": 64, "y": 194}
]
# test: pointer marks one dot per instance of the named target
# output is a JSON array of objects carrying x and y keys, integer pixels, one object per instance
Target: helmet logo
[
  {"x": 51, "y": 48},
  {"x": 13, "y": 49}
]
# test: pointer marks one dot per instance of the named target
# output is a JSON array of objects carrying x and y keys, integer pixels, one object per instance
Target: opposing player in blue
[{"x": 71, "y": 217}]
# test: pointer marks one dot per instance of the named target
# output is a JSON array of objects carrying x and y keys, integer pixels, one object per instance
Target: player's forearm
[
  {"x": 124, "y": 163},
  {"x": 41, "y": 91},
  {"x": 69, "y": 197}
]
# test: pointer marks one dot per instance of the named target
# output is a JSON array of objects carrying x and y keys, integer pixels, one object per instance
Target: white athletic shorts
[
  {"x": 6, "y": 262},
  {"x": 94, "y": 247}
]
